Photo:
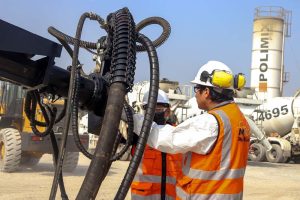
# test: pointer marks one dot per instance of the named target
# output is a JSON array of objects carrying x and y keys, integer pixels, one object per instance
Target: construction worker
[
  {"x": 215, "y": 144},
  {"x": 158, "y": 171}
]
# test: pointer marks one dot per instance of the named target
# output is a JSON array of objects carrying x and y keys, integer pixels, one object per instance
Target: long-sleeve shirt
[{"x": 197, "y": 134}]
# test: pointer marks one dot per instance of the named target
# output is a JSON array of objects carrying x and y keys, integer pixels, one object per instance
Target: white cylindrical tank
[
  {"x": 277, "y": 115},
  {"x": 267, "y": 54}
]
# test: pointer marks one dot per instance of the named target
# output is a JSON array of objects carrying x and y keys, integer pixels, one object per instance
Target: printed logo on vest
[{"x": 244, "y": 133}]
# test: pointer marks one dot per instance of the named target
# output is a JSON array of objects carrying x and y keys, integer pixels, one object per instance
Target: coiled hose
[
  {"x": 123, "y": 57},
  {"x": 143, "y": 137},
  {"x": 164, "y": 35},
  {"x": 150, "y": 48},
  {"x": 32, "y": 98},
  {"x": 62, "y": 37}
]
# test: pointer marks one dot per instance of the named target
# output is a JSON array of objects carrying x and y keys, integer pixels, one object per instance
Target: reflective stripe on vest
[
  {"x": 153, "y": 179},
  {"x": 182, "y": 195},
  {"x": 149, "y": 197},
  {"x": 224, "y": 172}
]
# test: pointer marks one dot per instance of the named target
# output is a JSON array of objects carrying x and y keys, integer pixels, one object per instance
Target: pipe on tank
[{"x": 259, "y": 134}]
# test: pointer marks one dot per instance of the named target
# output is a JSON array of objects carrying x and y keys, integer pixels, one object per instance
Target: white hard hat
[
  {"x": 206, "y": 72},
  {"x": 161, "y": 98}
]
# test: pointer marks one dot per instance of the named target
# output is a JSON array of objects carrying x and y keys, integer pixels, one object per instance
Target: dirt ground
[{"x": 263, "y": 181}]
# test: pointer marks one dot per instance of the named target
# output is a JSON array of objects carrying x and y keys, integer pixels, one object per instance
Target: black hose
[
  {"x": 122, "y": 64},
  {"x": 75, "y": 119},
  {"x": 99, "y": 164},
  {"x": 48, "y": 121},
  {"x": 63, "y": 192},
  {"x": 154, "y": 20},
  {"x": 150, "y": 110},
  {"x": 163, "y": 176},
  {"x": 64, "y": 37},
  {"x": 61, "y": 184},
  {"x": 129, "y": 116},
  {"x": 68, "y": 109},
  {"x": 29, "y": 111}
]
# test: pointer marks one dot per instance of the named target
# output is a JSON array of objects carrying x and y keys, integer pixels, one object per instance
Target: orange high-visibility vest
[
  {"x": 147, "y": 181},
  {"x": 219, "y": 174}
]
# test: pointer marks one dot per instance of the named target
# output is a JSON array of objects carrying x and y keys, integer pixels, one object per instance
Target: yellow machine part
[{"x": 39, "y": 117}]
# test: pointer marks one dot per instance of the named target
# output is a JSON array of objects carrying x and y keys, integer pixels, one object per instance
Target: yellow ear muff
[
  {"x": 239, "y": 81},
  {"x": 222, "y": 79}
]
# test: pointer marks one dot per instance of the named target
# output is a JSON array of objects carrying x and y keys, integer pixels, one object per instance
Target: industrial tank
[
  {"x": 277, "y": 114},
  {"x": 269, "y": 31}
]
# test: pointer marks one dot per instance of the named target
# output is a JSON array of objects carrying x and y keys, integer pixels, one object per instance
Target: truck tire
[
  {"x": 275, "y": 155},
  {"x": 257, "y": 152},
  {"x": 70, "y": 161},
  {"x": 10, "y": 148}
]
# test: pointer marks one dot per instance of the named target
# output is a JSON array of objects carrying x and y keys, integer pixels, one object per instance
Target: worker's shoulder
[{"x": 205, "y": 118}]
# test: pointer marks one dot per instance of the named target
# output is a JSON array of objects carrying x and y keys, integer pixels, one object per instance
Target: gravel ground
[{"x": 263, "y": 181}]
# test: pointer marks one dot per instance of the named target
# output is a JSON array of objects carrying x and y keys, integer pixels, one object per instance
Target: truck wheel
[
  {"x": 70, "y": 161},
  {"x": 257, "y": 152},
  {"x": 286, "y": 159},
  {"x": 10, "y": 149},
  {"x": 275, "y": 155}
]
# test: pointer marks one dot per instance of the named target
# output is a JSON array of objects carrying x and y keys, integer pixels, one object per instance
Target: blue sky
[{"x": 201, "y": 31}]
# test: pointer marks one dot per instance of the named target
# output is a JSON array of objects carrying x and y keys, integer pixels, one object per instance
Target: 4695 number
[{"x": 269, "y": 114}]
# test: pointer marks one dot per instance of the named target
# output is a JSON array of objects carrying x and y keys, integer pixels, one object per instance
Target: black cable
[
  {"x": 68, "y": 109},
  {"x": 70, "y": 40},
  {"x": 28, "y": 111},
  {"x": 163, "y": 176},
  {"x": 129, "y": 116},
  {"x": 64, "y": 37},
  {"x": 122, "y": 64},
  {"x": 75, "y": 119},
  {"x": 33, "y": 98},
  {"x": 154, "y": 20},
  {"x": 63, "y": 192},
  {"x": 150, "y": 110}
]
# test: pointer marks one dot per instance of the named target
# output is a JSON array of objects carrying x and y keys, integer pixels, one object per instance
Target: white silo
[{"x": 271, "y": 26}]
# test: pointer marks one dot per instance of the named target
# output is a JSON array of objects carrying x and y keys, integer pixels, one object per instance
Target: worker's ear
[
  {"x": 167, "y": 112},
  {"x": 206, "y": 92}
]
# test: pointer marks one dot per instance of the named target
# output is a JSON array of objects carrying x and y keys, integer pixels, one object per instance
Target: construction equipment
[
  {"x": 18, "y": 143},
  {"x": 279, "y": 119},
  {"x": 101, "y": 93}
]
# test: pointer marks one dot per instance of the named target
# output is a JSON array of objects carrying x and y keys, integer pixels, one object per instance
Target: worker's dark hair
[{"x": 225, "y": 95}]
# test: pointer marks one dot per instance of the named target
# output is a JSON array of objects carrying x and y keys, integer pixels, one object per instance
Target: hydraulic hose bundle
[{"x": 117, "y": 53}]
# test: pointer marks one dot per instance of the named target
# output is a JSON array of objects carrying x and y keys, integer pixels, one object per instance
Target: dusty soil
[{"x": 263, "y": 181}]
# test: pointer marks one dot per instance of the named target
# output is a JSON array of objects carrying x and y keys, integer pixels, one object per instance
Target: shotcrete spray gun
[{"x": 28, "y": 60}]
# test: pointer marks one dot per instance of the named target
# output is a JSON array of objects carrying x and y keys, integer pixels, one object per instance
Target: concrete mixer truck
[{"x": 279, "y": 119}]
